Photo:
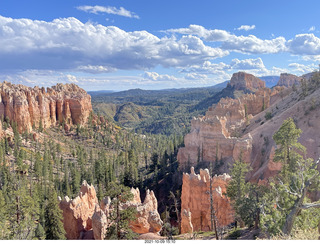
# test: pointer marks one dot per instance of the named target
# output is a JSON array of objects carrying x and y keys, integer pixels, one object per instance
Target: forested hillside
[{"x": 54, "y": 161}]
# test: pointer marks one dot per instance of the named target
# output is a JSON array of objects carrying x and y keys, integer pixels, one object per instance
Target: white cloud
[
  {"x": 156, "y": 77},
  {"x": 97, "y": 69},
  {"x": 207, "y": 68},
  {"x": 247, "y": 64},
  {"x": 67, "y": 44},
  {"x": 304, "y": 44},
  {"x": 246, "y": 27},
  {"x": 230, "y": 42},
  {"x": 253, "y": 45},
  {"x": 312, "y": 28},
  {"x": 108, "y": 10},
  {"x": 71, "y": 78},
  {"x": 200, "y": 31},
  {"x": 302, "y": 69},
  {"x": 195, "y": 76}
]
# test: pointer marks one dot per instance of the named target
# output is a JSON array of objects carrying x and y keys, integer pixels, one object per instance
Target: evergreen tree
[
  {"x": 120, "y": 218},
  {"x": 289, "y": 189},
  {"x": 53, "y": 218},
  {"x": 40, "y": 234},
  {"x": 246, "y": 197},
  {"x": 4, "y": 231}
]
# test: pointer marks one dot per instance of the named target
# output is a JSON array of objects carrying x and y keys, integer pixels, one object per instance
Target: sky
[{"x": 148, "y": 44}]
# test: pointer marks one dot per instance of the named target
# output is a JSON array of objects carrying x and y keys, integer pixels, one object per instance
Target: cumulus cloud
[
  {"x": 207, "y": 68},
  {"x": 246, "y": 27},
  {"x": 247, "y": 64},
  {"x": 108, "y": 10},
  {"x": 208, "y": 35},
  {"x": 302, "y": 69},
  {"x": 304, "y": 44},
  {"x": 67, "y": 43},
  {"x": 253, "y": 45},
  {"x": 230, "y": 42},
  {"x": 195, "y": 76},
  {"x": 157, "y": 77},
  {"x": 95, "y": 69}
]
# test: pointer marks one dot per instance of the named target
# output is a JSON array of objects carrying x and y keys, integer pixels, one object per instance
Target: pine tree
[
  {"x": 4, "y": 231},
  {"x": 53, "y": 218},
  {"x": 297, "y": 177},
  {"x": 120, "y": 218},
  {"x": 40, "y": 234}
]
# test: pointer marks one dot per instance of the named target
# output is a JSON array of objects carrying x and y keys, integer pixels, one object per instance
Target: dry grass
[{"x": 310, "y": 234}]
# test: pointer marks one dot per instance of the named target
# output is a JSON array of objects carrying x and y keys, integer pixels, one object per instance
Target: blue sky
[{"x": 124, "y": 44}]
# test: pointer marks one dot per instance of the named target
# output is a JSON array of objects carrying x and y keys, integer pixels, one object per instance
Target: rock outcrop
[
  {"x": 186, "y": 221},
  {"x": 77, "y": 213},
  {"x": 217, "y": 136},
  {"x": 37, "y": 107},
  {"x": 148, "y": 218},
  {"x": 288, "y": 80},
  {"x": 195, "y": 201},
  {"x": 99, "y": 223},
  {"x": 244, "y": 81},
  {"x": 83, "y": 214}
]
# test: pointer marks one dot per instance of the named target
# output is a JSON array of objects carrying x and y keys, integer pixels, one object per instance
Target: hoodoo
[{"x": 35, "y": 107}]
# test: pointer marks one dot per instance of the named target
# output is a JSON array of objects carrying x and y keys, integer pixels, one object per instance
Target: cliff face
[
  {"x": 84, "y": 214},
  {"x": 242, "y": 80},
  {"x": 217, "y": 135},
  {"x": 288, "y": 80},
  {"x": 195, "y": 201},
  {"x": 29, "y": 107}
]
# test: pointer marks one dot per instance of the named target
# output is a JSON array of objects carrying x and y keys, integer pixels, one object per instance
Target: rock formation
[
  {"x": 186, "y": 221},
  {"x": 195, "y": 201},
  {"x": 217, "y": 136},
  {"x": 77, "y": 213},
  {"x": 84, "y": 214},
  {"x": 244, "y": 81},
  {"x": 99, "y": 223},
  {"x": 30, "y": 107},
  {"x": 288, "y": 80},
  {"x": 148, "y": 218}
]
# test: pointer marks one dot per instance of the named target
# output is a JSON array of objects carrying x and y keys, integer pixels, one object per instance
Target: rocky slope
[
  {"x": 217, "y": 137},
  {"x": 213, "y": 136},
  {"x": 195, "y": 201},
  {"x": 30, "y": 107},
  {"x": 85, "y": 218}
]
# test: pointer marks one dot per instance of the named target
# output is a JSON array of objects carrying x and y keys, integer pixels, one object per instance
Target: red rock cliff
[
  {"x": 217, "y": 136},
  {"x": 289, "y": 80},
  {"x": 195, "y": 201},
  {"x": 242, "y": 80},
  {"x": 29, "y": 106}
]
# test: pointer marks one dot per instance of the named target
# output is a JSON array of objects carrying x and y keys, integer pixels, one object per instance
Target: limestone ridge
[
  {"x": 83, "y": 214},
  {"x": 195, "y": 201},
  {"x": 29, "y": 107}
]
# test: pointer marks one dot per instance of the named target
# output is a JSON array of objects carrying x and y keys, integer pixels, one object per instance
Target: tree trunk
[
  {"x": 287, "y": 228},
  {"x": 213, "y": 215},
  {"x": 118, "y": 219}
]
